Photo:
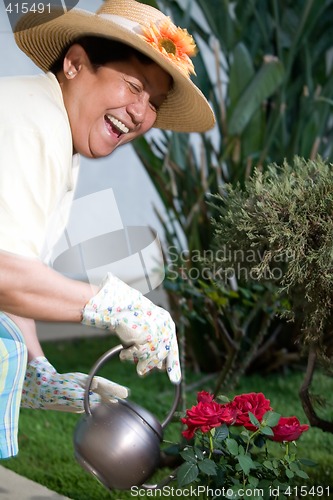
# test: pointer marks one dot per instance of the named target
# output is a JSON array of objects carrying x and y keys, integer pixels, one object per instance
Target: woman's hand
[{"x": 46, "y": 389}]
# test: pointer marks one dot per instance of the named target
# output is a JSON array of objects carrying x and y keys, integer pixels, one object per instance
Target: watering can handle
[{"x": 100, "y": 362}]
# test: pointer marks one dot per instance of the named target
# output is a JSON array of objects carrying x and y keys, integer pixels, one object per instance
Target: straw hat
[{"x": 43, "y": 37}]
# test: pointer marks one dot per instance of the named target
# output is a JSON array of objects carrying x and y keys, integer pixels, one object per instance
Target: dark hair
[{"x": 102, "y": 51}]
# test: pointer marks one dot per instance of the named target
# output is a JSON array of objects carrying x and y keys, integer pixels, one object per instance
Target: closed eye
[{"x": 134, "y": 87}]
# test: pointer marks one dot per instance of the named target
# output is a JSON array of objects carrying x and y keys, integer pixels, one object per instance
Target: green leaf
[
  {"x": 221, "y": 433},
  {"x": 308, "y": 462},
  {"x": 187, "y": 473},
  {"x": 253, "y": 134},
  {"x": 302, "y": 473},
  {"x": 241, "y": 450},
  {"x": 267, "y": 431},
  {"x": 268, "y": 464},
  {"x": 188, "y": 455},
  {"x": 208, "y": 467},
  {"x": 289, "y": 473},
  {"x": 263, "y": 84},
  {"x": 253, "y": 481},
  {"x": 198, "y": 453},
  {"x": 246, "y": 463},
  {"x": 294, "y": 467},
  {"x": 232, "y": 446},
  {"x": 254, "y": 420},
  {"x": 241, "y": 72},
  {"x": 271, "y": 418},
  {"x": 223, "y": 399},
  {"x": 219, "y": 19}
]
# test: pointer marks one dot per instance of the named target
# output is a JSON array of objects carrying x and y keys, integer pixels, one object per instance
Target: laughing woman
[{"x": 107, "y": 78}]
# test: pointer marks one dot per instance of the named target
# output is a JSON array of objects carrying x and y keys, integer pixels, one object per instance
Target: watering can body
[{"x": 119, "y": 442}]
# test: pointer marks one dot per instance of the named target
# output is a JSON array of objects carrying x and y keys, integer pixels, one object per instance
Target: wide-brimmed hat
[{"x": 43, "y": 38}]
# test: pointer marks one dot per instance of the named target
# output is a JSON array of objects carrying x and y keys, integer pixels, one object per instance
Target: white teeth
[{"x": 120, "y": 126}]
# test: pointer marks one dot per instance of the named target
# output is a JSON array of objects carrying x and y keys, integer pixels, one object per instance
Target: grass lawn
[{"x": 45, "y": 438}]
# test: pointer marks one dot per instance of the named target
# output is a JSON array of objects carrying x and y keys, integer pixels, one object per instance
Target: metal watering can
[{"x": 119, "y": 442}]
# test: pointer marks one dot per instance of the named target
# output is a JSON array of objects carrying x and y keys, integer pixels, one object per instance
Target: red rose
[
  {"x": 288, "y": 429},
  {"x": 253, "y": 402},
  {"x": 205, "y": 397},
  {"x": 205, "y": 416}
]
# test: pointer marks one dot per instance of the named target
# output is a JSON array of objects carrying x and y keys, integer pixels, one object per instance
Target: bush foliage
[{"x": 285, "y": 216}]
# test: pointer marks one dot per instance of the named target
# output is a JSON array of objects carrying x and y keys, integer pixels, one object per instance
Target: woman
[{"x": 96, "y": 94}]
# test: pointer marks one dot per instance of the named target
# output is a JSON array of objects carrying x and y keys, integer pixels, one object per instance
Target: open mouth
[{"x": 114, "y": 126}]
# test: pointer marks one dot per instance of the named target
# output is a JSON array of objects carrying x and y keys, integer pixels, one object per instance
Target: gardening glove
[
  {"x": 146, "y": 331},
  {"x": 46, "y": 389}
]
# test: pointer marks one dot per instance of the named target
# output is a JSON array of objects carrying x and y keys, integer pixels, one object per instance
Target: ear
[{"x": 74, "y": 60}]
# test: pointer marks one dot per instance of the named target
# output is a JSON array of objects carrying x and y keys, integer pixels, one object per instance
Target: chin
[{"x": 101, "y": 152}]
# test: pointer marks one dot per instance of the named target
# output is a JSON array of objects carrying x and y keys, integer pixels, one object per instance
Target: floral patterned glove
[
  {"x": 146, "y": 330},
  {"x": 46, "y": 389}
]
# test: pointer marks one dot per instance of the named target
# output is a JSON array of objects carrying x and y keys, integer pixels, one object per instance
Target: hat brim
[{"x": 185, "y": 110}]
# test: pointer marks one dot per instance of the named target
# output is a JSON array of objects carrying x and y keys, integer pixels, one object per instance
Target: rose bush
[{"x": 231, "y": 447}]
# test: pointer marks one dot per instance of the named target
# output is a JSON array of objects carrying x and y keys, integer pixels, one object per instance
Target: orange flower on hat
[{"x": 174, "y": 43}]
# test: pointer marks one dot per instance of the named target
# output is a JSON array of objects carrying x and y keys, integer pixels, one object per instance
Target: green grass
[{"x": 45, "y": 438}]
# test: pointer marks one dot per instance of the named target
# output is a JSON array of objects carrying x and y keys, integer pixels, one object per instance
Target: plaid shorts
[{"x": 13, "y": 364}]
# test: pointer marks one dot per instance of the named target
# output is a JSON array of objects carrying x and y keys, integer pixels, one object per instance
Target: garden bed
[{"x": 45, "y": 439}]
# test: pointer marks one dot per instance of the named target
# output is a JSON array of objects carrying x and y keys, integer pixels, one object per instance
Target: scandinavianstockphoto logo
[
  {"x": 42, "y": 11},
  {"x": 96, "y": 242}
]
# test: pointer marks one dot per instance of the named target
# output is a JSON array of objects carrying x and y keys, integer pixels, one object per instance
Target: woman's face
[{"x": 111, "y": 105}]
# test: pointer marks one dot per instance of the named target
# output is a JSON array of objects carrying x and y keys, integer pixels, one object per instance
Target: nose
[{"x": 138, "y": 108}]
